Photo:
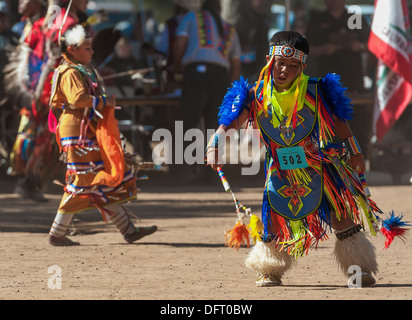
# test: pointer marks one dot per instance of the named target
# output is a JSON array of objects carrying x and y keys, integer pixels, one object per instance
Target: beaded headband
[{"x": 288, "y": 51}]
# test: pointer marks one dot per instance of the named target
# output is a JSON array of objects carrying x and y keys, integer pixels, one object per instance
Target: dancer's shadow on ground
[
  {"x": 177, "y": 245},
  {"x": 335, "y": 287}
]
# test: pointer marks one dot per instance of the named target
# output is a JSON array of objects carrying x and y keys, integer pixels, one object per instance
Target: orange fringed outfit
[{"x": 97, "y": 174}]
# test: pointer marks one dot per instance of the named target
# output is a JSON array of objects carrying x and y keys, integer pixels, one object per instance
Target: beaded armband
[{"x": 352, "y": 145}]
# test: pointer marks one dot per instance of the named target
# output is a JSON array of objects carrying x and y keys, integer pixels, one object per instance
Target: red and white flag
[{"x": 388, "y": 41}]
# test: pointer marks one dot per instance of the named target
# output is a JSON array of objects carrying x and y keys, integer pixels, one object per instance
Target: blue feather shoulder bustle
[
  {"x": 336, "y": 98},
  {"x": 234, "y": 101}
]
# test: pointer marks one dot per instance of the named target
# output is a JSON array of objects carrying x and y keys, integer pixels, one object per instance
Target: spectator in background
[
  {"x": 208, "y": 51},
  {"x": 151, "y": 30},
  {"x": 338, "y": 47},
  {"x": 34, "y": 156},
  {"x": 252, "y": 27},
  {"x": 30, "y": 11},
  {"x": 6, "y": 37},
  {"x": 143, "y": 37},
  {"x": 124, "y": 61},
  {"x": 146, "y": 30},
  {"x": 299, "y": 24},
  {"x": 167, "y": 39},
  {"x": 6, "y": 34},
  {"x": 30, "y": 153}
]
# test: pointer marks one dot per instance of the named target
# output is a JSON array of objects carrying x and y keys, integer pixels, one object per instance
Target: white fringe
[{"x": 75, "y": 36}]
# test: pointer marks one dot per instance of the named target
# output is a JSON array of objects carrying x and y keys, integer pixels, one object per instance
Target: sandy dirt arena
[{"x": 185, "y": 260}]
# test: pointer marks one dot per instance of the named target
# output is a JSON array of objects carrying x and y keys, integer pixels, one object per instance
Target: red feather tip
[
  {"x": 237, "y": 236},
  {"x": 391, "y": 234}
]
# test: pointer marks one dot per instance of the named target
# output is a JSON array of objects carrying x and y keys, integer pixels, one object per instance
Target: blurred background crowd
[{"x": 147, "y": 33}]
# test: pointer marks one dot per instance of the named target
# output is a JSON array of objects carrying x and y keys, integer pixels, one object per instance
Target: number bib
[{"x": 292, "y": 158}]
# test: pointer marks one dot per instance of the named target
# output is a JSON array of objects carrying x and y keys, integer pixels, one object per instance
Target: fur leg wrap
[
  {"x": 266, "y": 260},
  {"x": 356, "y": 250}
]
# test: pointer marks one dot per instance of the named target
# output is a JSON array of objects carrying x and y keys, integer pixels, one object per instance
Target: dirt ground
[{"x": 185, "y": 259}]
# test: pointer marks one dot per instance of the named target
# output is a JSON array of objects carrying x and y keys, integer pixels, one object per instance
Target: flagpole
[
  {"x": 372, "y": 130},
  {"x": 287, "y": 15}
]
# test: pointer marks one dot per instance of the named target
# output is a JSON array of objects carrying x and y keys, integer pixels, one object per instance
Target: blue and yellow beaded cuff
[{"x": 352, "y": 145}]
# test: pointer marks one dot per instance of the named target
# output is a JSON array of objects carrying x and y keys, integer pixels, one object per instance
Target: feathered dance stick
[
  {"x": 392, "y": 226},
  {"x": 240, "y": 233}
]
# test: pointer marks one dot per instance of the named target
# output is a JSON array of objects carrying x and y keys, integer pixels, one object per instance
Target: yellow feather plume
[{"x": 255, "y": 227}]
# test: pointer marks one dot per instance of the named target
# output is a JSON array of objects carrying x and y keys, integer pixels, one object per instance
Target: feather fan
[{"x": 235, "y": 100}]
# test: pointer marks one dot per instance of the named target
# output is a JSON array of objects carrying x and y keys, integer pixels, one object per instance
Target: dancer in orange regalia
[{"x": 87, "y": 133}]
